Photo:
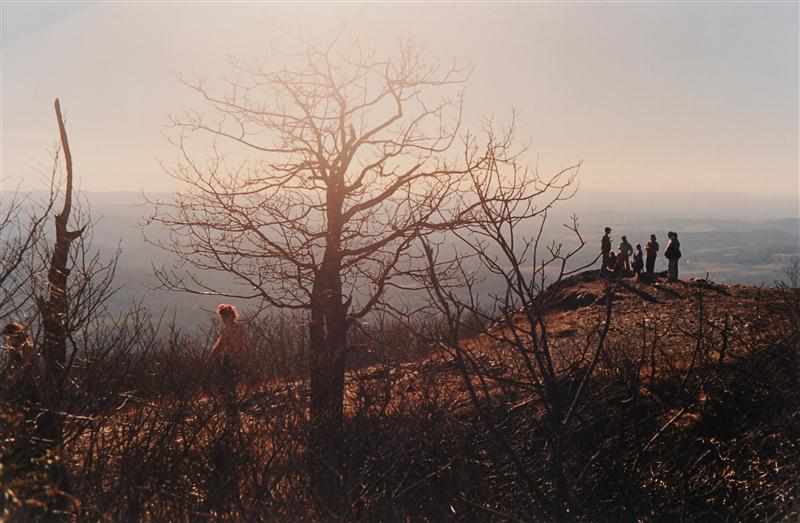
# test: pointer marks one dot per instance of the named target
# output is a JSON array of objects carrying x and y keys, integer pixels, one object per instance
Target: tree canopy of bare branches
[
  {"x": 21, "y": 224},
  {"x": 310, "y": 185}
]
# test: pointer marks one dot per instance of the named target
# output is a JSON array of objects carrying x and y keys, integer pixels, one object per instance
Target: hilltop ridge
[
  {"x": 684, "y": 383},
  {"x": 578, "y": 302},
  {"x": 682, "y": 404}
]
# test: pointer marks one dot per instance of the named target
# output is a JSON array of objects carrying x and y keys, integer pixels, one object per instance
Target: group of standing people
[{"x": 626, "y": 261}]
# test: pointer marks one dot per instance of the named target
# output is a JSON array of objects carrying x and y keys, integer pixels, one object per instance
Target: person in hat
[{"x": 605, "y": 249}]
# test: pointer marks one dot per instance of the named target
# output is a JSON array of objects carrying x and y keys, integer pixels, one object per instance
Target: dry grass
[{"x": 674, "y": 424}]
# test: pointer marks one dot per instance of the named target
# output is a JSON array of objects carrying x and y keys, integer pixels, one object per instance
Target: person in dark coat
[
  {"x": 673, "y": 254},
  {"x": 611, "y": 262},
  {"x": 605, "y": 249},
  {"x": 638, "y": 261},
  {"x": 619, "y": 266},
  {"x": 652, "y": 250}
]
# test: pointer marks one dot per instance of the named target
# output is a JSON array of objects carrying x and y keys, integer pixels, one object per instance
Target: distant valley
[{"x": 733, "y": 239}]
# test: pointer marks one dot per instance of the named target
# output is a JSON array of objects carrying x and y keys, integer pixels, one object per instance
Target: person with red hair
[
  {"x": 232, "y": 341},
  {"x": 228, "y": 356},
  {"x": 228, "y": 352}
]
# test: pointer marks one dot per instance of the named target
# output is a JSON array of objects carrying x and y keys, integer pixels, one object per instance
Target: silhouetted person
[
  {"x": 673, "y": 254},
  {"x": 21, "y": 368},
  {"x": 612, "y": 261},
  {"x": 638, "y": 262},
  {"x": 21, "y": 381},
  {"x": 625, "y": 250},
  {"x": 619, "y": 266},
  {"x": 652, "y": 250},
  {"x": 605, "y": 249}
]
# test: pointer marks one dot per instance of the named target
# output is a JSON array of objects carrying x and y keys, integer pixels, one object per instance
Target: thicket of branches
[
  {"x": 312, "y": 185},
  {"x": 461, "y": 434}
]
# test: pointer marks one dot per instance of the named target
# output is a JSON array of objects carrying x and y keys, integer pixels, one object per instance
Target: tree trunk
[
  {"x": 54, "y": 310},
  {"x": 328, "y": 347}
]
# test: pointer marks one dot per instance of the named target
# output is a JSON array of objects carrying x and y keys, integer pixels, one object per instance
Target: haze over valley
[{"x": 734, "y": 238}]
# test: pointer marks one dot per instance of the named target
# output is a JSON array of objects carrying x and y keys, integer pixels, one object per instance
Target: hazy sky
[{"x": 650, "y": 96}]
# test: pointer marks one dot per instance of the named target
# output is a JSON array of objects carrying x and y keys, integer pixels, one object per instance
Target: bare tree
[
  {"x": 341, "y": 166},
  {"x": 792, "y": 272},
  {"x": 67, "y": 319},
  {"x": 54, "y": 309},
  {"x": 21, "y": 225},
  {"x": 505, "y": 239}
]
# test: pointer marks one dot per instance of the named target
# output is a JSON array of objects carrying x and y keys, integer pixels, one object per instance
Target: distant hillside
[{"x": 734, "y": 238}]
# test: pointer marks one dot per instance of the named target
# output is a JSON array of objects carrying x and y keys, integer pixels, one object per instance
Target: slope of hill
[
  {"x": 692, "y": 410},
  {"x": 673, "y": 401},
  {"x": 663, "y": 401}
]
